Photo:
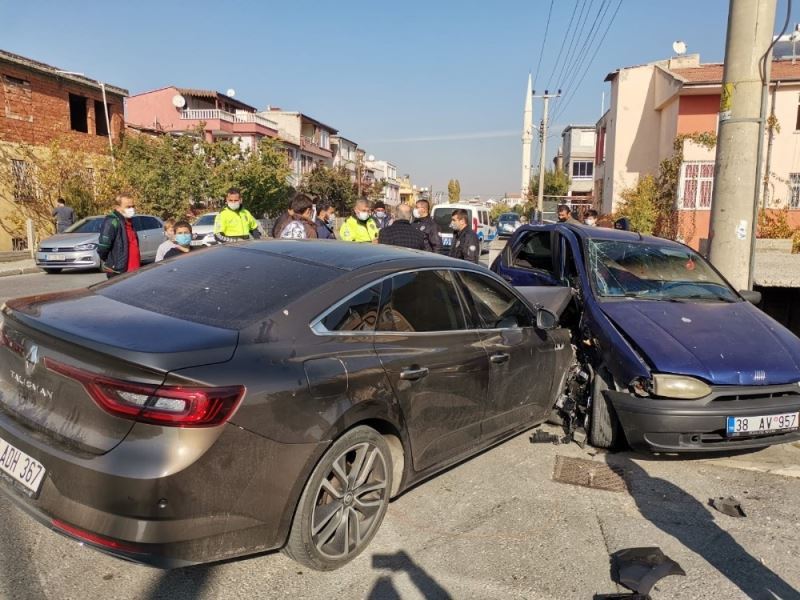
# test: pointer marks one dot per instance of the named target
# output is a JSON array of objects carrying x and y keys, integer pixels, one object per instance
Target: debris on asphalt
[
  {"x": 542, "y": 437},
  {"x": 639, "y": 569},
  {"x": 579, "y": 437},
  {"x": 622, "y": 596},
  {"x": 727, "y": 506}
]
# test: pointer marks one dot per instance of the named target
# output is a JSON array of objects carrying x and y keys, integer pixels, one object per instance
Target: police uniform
[
  {"x": 466, "y": 245},
  {"x": 231, "y": 225},
  {"x": 354, "y": 230},
  {"x": 430, "y": 229}
]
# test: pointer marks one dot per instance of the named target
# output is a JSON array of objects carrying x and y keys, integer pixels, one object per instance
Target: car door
[
  {"x": 437, "y": 367},
  {"x": 522, "y": 357},
  {"x": 145, "y": 243},
  {"x": 530, "y": 258}
]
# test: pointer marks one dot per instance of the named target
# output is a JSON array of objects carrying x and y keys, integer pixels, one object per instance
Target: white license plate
[
  {"x": 762, "y": 424},
  {"x": 20, "y": 467},
  {"x": 56, "y": 257},
  {"x": 447, "y": 241}
]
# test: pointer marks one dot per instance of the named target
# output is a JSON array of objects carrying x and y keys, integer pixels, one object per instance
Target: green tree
[
  {"x": 332, "y": 185},
  {"x": 640, "y": 205},
  {"x": 499, "y": 209},
  {"x": 556, "y": 183},
  {"x": 453, "y": 190}
]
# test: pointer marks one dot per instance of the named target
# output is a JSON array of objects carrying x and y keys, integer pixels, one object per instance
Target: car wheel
[
  {"x": 344, "y": 501},
  {"x": 604, "y": 428},
  {"x": 52, "y": 271}
]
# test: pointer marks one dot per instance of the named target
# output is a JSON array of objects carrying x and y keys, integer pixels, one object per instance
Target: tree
[
  {"x": 375, "y": 190},
  {"x": 640, "y": 205},
  {"x": 556, "y": 183},
  {"x": 332, "y": 185},
  {"x": 499, "y": 209},
  {"x": 453, "y": 190}
]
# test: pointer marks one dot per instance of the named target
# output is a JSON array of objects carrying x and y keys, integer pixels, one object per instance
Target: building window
[
  {"x": 324, "y": 140},
  {"x": 582, "y": 169},
  {"x": 696, "y": 185},
  {"x": 797, "y": 121},
  {"x": 18, "y": 98},
  {"x": 22, "y": 176},
  {"x": 19, "y": 244},
  {"x": 100, "y": 118},
  {"x": 794, "y": 188},
  {"x": 77, "y": 114}
]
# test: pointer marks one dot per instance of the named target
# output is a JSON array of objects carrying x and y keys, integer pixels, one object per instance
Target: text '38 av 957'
[{"x": 263, "y": 395}]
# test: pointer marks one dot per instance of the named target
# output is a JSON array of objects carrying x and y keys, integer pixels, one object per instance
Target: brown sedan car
[{"x": 262, "y": 395}]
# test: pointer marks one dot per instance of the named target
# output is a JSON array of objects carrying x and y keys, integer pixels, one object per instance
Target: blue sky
[{"x": 436, "y": 87}]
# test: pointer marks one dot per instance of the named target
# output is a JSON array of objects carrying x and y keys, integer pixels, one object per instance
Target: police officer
[
  {"x": 360, "y": 226},
  {"x": 466, "y": 244},
  {"x": 425, "y": 224},
  {"x": 234, "y": 222}
]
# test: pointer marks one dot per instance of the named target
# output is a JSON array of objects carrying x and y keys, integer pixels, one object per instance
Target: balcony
[
  {"x": 240, "y": 122},
  {"x": 311, "y": 145}
]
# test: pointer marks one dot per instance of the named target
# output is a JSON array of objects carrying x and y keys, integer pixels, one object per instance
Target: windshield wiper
[{"x": 702, "y": 297}]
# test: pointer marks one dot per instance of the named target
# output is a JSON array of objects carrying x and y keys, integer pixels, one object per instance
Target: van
[{"x": 478, "y": 218}]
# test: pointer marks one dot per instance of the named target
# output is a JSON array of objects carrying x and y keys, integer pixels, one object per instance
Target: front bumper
[
  {"x": 660, "y": 425},
  {"x": 54, "y": 259},
  {"x": 143, "y": 501}
]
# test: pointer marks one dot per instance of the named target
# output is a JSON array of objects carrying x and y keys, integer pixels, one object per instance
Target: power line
[
  {"x": 544, "y": 39},
  {"x": 571, "y": 93},
  {"x": 573, "y": 43},
  {"x": 563, "y": 41}
]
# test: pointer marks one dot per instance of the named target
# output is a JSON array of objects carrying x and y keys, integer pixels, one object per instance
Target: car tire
[
  {"x": 52, "y": 271},
  {"x": 604, "y": 427},
  {"x": 344, "y": 501}
]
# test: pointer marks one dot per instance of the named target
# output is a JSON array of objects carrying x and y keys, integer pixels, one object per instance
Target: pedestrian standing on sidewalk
[
  {"x": 425, "y": 224},
  {"x": 402, "y": 232},
  {"x": 118, "y": 245},
  {"x": 234, "y": 223},
  {"x": 169, "y": 243},
  {"x": 63, "y": 215},
  {"x": 326, "y": 215},
  {"x": 466, "y": 244},
  {"x": 301, "y": 227},
  {"x": 359, "y": 227}
]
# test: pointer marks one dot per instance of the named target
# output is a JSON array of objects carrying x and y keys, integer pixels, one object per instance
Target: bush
[
  {"x": 774, "y": 225},
  {"x": 796, "y": 242},
  {"x": 640, "y": 205}
]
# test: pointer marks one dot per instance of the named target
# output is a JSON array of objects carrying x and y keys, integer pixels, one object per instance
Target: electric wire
[
  {"x": 561, "y": 50},
  {"x": 573, "y": 43},
  {"x": 544, "y": 41}
]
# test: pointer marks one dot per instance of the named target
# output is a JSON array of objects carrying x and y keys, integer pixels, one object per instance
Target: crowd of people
[{"x": 409, "y": 227}]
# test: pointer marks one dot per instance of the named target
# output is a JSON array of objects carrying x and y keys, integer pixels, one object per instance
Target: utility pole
[
  {"x": 736, "y": 185},
  {"x": 543, "y": 147}
]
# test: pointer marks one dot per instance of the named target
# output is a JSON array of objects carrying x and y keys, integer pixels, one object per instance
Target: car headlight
[
  {"x": 679, "y": 387},
  {"x": 82, "y": 247}
]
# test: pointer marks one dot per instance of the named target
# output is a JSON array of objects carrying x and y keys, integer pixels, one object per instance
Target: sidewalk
[{"x": 18, "y": 267}]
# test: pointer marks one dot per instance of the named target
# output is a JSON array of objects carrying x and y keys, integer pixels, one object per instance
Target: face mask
[
  {"x": 129, "y": 212},
  {"x": 363, "y": 216},
  {"x": 183, "y": 239},
  {"x": 234, "y": 205},
  {"x": 415, "y": 212},
  {"x": 454, "y": 226},
  {"x": 590, "y": 222},
  {"x": 380, "y": 214}
]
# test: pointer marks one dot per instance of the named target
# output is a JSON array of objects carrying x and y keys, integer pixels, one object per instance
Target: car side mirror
[
  {"x": 546, "y": 319},
  {"x": 752, "y": 296}
]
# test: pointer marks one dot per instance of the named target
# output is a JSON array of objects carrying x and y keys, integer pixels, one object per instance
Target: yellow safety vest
[
  {"x": 234, "y": 223},
  {"x": 355, "y": 231}
]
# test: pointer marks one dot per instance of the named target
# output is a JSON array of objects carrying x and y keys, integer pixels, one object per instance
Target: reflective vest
[
  {"x": 354, "y": 230},
  {"x": 234, "y": 223}
]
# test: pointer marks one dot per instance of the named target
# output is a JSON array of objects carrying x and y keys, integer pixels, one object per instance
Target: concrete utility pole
[
  {"x": 543, "y": 148},
  {"x": 750, "y": 30}
]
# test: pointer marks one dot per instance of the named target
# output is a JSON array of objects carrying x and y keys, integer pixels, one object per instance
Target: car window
[
  {"x": 152, "y": 223},
  {"x": 139, "y": 223},
  {"x": 443, "y": 216},
  {"x": 423, "y": 301},
  {"x": 206, "y": 220},
  {"x": 484, "y": 217},
  {"x": 92, "y": 225},
  {"x": 358, "y": 313},
  {"x": 535, "y": 252},
  {"x": 495, "y": 306}
]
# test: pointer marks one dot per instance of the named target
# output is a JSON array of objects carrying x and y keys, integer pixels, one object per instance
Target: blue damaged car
[{"x": 669, "y": 357}]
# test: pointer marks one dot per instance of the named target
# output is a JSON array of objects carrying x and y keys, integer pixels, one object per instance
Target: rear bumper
[
  {"x": 659, "y": 425},
  {"x": 138, "y": 502}
]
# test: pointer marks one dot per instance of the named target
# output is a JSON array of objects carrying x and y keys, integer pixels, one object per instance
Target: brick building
[{"x": 40, "y": 104}]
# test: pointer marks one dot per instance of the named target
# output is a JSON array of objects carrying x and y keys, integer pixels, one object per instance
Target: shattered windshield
[{"x": 653, "y": 272}]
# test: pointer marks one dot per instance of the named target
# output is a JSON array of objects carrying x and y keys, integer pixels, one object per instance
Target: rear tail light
[
  {"x": 174, "y": 406},
  {"x": 95, "y": 539},
  {"x": 475, "y": 224}
]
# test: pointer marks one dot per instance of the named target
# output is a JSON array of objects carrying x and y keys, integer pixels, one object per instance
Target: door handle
[
  {"x": 499, "y": 358},
  {"x": 412, "y": 374}
]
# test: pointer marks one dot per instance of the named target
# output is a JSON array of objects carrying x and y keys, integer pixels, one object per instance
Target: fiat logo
[{"x": 759, "y": 375}]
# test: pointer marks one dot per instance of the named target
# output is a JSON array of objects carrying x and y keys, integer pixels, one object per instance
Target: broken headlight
[{"x": 679, "y": 387}]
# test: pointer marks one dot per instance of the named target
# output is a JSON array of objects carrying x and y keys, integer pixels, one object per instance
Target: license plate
[
  {"x": 56, "y": 257},
  {"x": 20, "y": 467},
  {"x": 447, "y": 241},
  {"x": 762, "y": 424}
]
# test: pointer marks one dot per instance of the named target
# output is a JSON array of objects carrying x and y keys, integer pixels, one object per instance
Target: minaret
[{"x": 527, "y": 138}]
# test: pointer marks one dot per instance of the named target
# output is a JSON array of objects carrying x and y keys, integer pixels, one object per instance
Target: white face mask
[
  {"x": 590, "y": 221},
  {"x": 415, "y": 212},
  {"x": 380, "y": 214},
  {"x": 454, "y": 226},
  {"x": 363, "y": 216},
  {"x": 129, "y": 212},
  {"x": 234, "y": 205}
]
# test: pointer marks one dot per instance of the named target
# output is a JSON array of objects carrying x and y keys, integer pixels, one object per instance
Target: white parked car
[
  {"x": 478, "y": 218},
  {"x": 203, "y": 230}
]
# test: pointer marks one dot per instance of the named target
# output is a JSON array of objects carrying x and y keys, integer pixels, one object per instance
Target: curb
[{"x": 20, "y": 271}]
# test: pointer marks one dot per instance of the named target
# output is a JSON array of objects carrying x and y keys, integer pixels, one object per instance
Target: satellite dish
[
  {"x": 371, "y": 157},
  {"x": 231, "y": 92},
  {"x": 178, "y": 101},
  {"x": 679, "y": 47}
]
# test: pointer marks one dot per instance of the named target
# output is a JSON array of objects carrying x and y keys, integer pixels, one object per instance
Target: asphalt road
[{"x": 496, "y": 526}]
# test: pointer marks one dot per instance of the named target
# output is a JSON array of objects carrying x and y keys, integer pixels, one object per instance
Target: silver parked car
[
  {"x": 76, "y": 248},
  {"x": 203, "y": 230}
]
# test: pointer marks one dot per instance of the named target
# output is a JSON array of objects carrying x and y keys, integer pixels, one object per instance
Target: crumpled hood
[{"x": 722, "y": 343}]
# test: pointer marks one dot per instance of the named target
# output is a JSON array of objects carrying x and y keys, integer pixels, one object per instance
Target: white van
[{"x": 478, "y": 218}]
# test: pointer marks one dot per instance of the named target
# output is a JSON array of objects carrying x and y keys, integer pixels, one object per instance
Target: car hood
[
  {"x": 722, "y": 343},
  {"x": 66, "y": 240}
]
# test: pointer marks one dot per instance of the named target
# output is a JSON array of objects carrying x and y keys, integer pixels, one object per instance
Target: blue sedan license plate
[{"x": 764, "y": 424}]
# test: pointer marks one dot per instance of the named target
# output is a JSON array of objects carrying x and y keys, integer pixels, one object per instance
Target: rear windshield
[
  {"x": 443, "y": 216},
  {"x": 223, "y": 287},
  {"x": 510, "y": 218},
  {"x": 86, "y": 226}
]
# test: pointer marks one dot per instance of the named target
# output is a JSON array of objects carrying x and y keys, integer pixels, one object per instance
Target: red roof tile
[{"x": 782, "y": 70}]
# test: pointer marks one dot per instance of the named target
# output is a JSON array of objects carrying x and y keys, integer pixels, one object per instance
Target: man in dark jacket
[
  {"x": 63, "y": 215},
  {"x": 379, "y": 214},
  {"x": 466, "y": 244},
  {"x": 118, "y": 245},
  {"x": 326, "y": 214},
  {"x": 402, "y": 232},
  {"x": 301, "y": 227},
  {"x": 427, "y": 226},
  {"x": 282, "y": 221}
]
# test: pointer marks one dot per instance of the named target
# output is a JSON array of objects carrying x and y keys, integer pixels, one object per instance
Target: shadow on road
[
  {"x": 18, "y": 568},
  {"x": 189, "y": 583},
  {"x": 401, "y": 562},
  {"x": 679, "y": 514}
]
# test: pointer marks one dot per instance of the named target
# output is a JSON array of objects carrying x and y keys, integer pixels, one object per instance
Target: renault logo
[{"x": 31, "y": 359}]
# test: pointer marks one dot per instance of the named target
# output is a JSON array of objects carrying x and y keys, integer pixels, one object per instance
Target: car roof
[
  {"x": 349, "y": 256},
  {"x": 607, "y": 234}
]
